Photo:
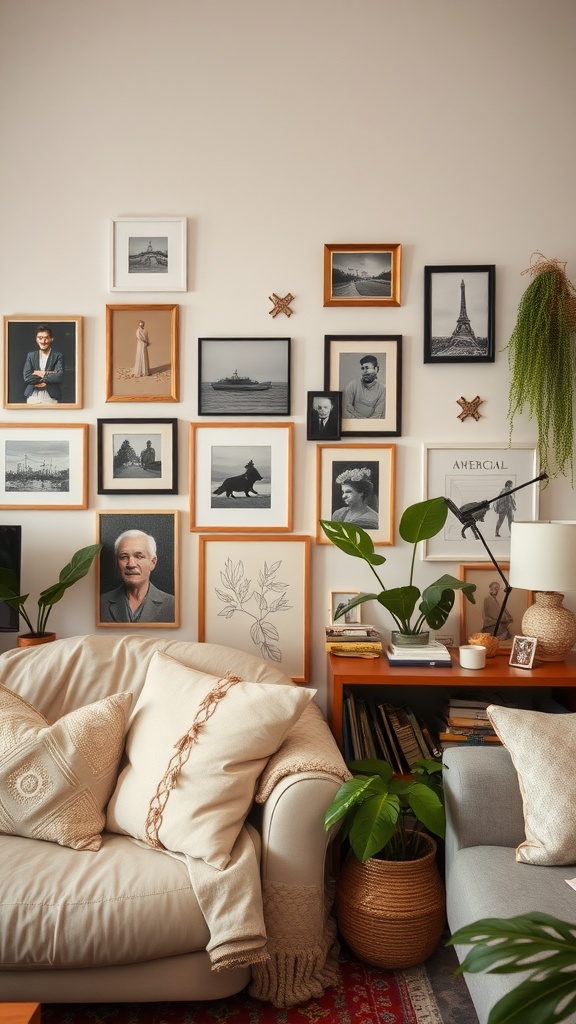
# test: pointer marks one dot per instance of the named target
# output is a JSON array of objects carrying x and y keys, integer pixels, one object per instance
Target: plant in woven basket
[
  {"x": 536, "y": 944},
  {"x": 419, "y": 522},
  {"x": 383, "y": 814},
  {"x": 542, "y": 358}
]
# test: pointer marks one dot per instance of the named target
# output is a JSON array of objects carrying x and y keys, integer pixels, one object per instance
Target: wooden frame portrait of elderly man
[{"x": 137, "y": 576}]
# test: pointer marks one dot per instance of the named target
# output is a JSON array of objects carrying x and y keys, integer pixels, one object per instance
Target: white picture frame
[
  {"x": 148, "y": 254},
  {"x": 469, "y": 474}
]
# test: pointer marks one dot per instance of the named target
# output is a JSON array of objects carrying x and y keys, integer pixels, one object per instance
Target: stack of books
[
  {"x": 466, "y": 721},
  {"x": 350, "y": 641},
  {"x": 432, "y": 655}
]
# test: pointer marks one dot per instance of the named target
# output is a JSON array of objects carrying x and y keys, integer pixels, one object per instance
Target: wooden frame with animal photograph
[{"x": 241, "y": 476}]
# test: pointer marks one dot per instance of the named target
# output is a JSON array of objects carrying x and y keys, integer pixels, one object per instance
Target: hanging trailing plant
[{"x": 541, "y": 355}]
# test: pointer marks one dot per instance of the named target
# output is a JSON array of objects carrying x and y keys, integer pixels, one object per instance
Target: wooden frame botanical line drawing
[
  {"x": 459, "y": 314},
  {"x": 241, "y": 476},
  {"x": 469, "y": 474},
  {"x": 142, "y": 353},
  {"x": 355, "y": 483},
  {"x": 244, "y": 376},
  {"x": 44, "y": 465},
  {"x": 23, "y": 386},
  {"x": 367, "y": 369},
  {"x": 255, "y": 592},
  {"x": 162, "y": 603},
  {"x": 137, "y": 456},
  {"x": 148, "y": 254},
  {"x": 363, "y": 274},
  {"x": 481, "y": 616}
]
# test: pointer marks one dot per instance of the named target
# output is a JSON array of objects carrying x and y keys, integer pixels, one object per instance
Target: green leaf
[
  {"x": 372, "y": 766},
  {"x": 353, "y": 540},
  {"x": 374, "y": 824},
  {"x": 504, "y": 946},
  {"x": 423, "y": 520},
  {"x": 401, "y": 602},
  {"x": 77, "y": 567},
  {"x": 428, "y": 808},
  {"x": 438, "y": 599},
  {"x": 360, "y": 599},
  {"x": 351, "y": 792}
]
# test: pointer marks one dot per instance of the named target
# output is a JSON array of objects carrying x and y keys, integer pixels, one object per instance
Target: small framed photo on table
[
  {"x": 338, "y": 600},
  {"x": 523, "y": 651}
]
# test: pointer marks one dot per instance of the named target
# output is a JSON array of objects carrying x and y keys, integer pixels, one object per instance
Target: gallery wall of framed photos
[{"x": 242, "y": 317}]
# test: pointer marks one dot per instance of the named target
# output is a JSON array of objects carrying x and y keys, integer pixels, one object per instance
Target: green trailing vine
[{"x": 541, "y": 355}]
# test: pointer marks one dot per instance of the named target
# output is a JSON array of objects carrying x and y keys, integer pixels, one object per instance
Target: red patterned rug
[{"x": 364, "y": 995}]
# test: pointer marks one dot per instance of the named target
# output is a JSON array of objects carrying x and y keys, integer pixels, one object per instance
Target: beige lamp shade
[{"x": 543, "y": 559}]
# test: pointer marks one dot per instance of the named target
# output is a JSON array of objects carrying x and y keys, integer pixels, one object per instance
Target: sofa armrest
[{"x": 483, "y": 801}]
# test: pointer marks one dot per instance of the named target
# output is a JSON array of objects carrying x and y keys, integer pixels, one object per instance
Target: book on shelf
[
  {"x": 467, "y": 702},
  {"x": 404, "y": 733},
  {"x": 353, "y": 645},
  {"x": 395, "y": 754},
  {"x": 352, "y": 632},
  {"x": 448, "y": 739},
  {"x": 427, "y": 746},
  {"x": 356, "y": 654}
]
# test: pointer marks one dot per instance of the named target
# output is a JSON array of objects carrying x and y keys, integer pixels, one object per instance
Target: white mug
[{"x": 472, "y": 656}]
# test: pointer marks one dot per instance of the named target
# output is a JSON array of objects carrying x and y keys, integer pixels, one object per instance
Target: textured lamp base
[{"x": 553, "y": 626}]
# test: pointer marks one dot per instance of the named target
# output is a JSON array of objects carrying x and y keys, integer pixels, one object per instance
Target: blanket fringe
[
  {"x": 249, "y": 957},
  {"x": 292, "y": 976}
]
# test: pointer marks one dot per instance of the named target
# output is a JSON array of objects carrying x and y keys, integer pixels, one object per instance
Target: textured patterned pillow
[
  {"x": 195, "y": 749},
  {"x": 55, "y": 780},
  {"x": 542, "y": 747}
]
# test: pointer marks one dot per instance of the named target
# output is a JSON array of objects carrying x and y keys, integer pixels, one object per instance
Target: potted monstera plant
[
  {"x": 75, "y": 569},
  {"x": 414, "y": 611},
  {"x": 390, "y": 900}
]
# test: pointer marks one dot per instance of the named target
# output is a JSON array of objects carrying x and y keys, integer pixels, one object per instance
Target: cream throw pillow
[
  {"x": 195, "y": 749},
  {"x": 542, "y": 747},
  {"x": 55, "y": 780}
]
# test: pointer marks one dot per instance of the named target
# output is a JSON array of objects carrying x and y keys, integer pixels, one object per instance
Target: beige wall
[{"x": 275, "y": 127}]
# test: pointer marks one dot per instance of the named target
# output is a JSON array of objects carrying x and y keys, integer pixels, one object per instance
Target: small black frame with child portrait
[{"x": 323, "y": 415}]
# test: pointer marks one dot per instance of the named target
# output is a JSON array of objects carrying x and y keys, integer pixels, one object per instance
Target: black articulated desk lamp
[{"x": 470, "y": 514}]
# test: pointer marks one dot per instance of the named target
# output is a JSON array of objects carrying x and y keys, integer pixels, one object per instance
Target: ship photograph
[{"x": 244, "y": 376}]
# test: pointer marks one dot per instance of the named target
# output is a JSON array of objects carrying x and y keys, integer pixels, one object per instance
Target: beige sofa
[{"x": 123, "y": 923}]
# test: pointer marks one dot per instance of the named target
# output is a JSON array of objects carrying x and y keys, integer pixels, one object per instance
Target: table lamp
[{"x": 543, "y": 559}]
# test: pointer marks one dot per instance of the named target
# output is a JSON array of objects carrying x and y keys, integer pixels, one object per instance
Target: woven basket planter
[{"x": 391, "y": 913}]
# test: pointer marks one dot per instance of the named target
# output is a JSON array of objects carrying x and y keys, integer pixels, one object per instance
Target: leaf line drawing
[{"x": 265, "y": 599}]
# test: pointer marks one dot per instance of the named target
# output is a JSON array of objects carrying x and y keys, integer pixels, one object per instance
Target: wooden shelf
[{"x": 497, "y": 673}]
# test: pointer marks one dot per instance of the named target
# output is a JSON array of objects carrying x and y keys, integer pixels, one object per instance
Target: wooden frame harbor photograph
[{"x": 44, "y": 466}]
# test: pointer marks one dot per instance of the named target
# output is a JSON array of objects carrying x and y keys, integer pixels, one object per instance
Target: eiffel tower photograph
[{"x": 459, "y": 314}]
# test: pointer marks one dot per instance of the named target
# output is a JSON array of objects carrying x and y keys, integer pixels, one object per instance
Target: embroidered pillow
[
  {"x": 195, "y": 749},
  {"x": 55, "y": 780},
  {"x": 542, "y": 748}
]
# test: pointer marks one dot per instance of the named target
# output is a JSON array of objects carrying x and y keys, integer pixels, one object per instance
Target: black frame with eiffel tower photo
[{"x": 459, "y": 305}]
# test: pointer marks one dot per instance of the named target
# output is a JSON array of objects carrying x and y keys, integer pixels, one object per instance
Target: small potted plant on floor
[
  {"x": 76, "y": 568},
  {"x": 390, "y": 900},
  {"x": 419, "y": 522}
]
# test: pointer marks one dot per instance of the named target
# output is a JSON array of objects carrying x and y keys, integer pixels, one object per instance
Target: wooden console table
[
  {"x": 19, "y": 1013},
  {"x": 497, "y": 674}
]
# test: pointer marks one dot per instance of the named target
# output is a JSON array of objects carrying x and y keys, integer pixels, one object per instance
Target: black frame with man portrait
[
  {"x": 20, "y": 340},
  {"x": 163, "y": 527},
  {"x": 343, "y": 356},
  {"x": 333, "y": 428}
]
